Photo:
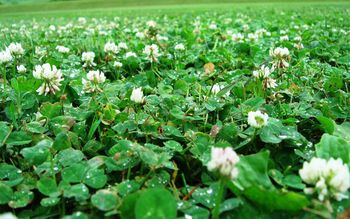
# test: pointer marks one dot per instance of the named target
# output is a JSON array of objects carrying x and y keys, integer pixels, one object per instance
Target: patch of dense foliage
[{"x": 216, "y": 114}]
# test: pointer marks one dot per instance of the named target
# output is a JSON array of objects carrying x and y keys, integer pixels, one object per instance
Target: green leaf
[
  {"x": 333, "y": 146},
  {"x": 5, "y": 194},
  {"x": 197, "y": 212},
  {"x": 74, "y": 173},
  {"x": 156, "y": 203},
  {"x": 230, "y": 204},
  {"x": 93, "y": 128},
  {"x": 127, "y": 208},
  {"x": 62, "y": 142},
  {"x": 253, "y": 170},
  {"x": 19, "y": 138},
  {"x": 10, "y": 175},
  {"x": 275, "y": 132},
  {"x": 36, "y": 127},
  {"x": 327, "y": 124},
  {"x": 21, "y": 199},
  {"x": 79, "y": 191},
  {"x": 273, "y": 199},
  {"x": 127, "y": 187},
  {"x": 4, "y": 133},
  {"x": 69, "y": 156},
  {"x": 205, "y": 196},
  {"x": 92, "y": 147},
  {"x": 95, "y": 178},
  {"x": 173, "y": 145},
  {"x": 76, "y": 215},
  {"x": 50, "y": 201},
  {"x": 37, "y": 154},
  {"x": 61, "y": 124},
  {"x": 47, "y": 186},
  {"x": 51, "y": 110},
  {"x": 343, "y": 131},
  {"x": 104, "y": 200}
]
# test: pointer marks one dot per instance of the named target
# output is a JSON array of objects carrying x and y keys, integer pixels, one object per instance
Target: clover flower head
[
  {"x": 224, "y": 161},
  {"x": 137, "y": 95},
  {"x": 88, "y": 59},
  {"x": 21, "y": 68},
  {"x": 152, "y": 52},
  {"x": 280, "y": 56},
  {"x": 16, "y": 49},
  {"x": 5, "y": 56},
  {"x": 94, "y": 78},
  {"x": 62, "y": 49},
  {"x": 179, "y": 47},
  {"x": 328, "y": 178},
  {"x": 257, "y": 119},
  {"x": 51, "y": 77}
]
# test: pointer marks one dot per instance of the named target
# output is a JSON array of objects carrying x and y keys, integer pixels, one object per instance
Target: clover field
[{"x": 208, "y": 111}]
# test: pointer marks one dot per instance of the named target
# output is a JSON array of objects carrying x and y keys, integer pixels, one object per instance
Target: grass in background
[{"x": 51, "y": 6}]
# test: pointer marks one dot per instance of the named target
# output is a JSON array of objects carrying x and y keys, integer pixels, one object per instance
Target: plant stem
[{"x": 219, "y": 196}]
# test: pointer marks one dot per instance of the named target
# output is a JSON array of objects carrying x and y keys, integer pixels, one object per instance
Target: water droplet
[
  {"x": 283, "y": 136},
  {"x": 188, "y": 216}
]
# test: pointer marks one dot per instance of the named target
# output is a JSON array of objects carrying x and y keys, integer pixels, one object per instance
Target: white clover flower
[
  {"x": 117, "y": 64},
  {"x": 279, "y": 57},
  {"x": 8, "y": 215},
  {"x": 130, "y": 54},
  {"x": 261, "y": 32},
  {"x": 224, "y": 161},
  {"x": 52, "y": 27},
  {"x": 253, "y": 37},
  {"x": 21, "y": 68},
  {"x": 111, "y": 48},
  {"x": 5, "y": 56},
  {"x": 94, "y": 78},
  {"x": 330, "y": 178},
  {"x": 297, "y": 39},
  {"x": 311, "y": 171},
  {"x": 246, "y": 27},
  {"x": 51, "y": 77},
  {"x": 263, "y": 72},
  {"x": 337, "y": 175},
  {"x": 162, "y": 38},
  {"x": 213, "y": 26},
  {"x": 40, "y": 51},
  {"x": 238, "y": 37},
  {"x": 88, "y": 59},
  {"x": 16, "y": 49},
  {"x": 152, "y": 52},
  {"x": 151, "y": 23},
  {"x": 62, "y": 49},
  {"x": 137, "y": 95},
  {"x": 284, "y": 38},
  {"x": 298, "y": 45},
  {"x": 257, "y": 119},
  {"x": 269, "y": 83},
  {"x": 217, "y": 88},
  {"x": 122, "y": 45},
  {"x": 179, "y": 47},
  {"x": 140, "y": 35},
  {"x": 82, "y": 20}
]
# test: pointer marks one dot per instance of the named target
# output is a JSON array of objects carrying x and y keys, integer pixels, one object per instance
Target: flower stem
[{"x": 219, "y": 196}]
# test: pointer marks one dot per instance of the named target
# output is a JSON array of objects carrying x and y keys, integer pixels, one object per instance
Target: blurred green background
[{"x": 23, "y": 8}]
